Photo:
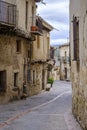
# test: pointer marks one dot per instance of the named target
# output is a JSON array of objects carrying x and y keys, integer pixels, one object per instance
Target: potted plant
[{"x": 50, "y": 81}]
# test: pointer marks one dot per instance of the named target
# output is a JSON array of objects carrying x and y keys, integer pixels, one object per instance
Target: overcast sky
[{"x": 56, "y": 13}]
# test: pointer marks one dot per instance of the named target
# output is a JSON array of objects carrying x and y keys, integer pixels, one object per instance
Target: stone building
[
  {"x": 16, "y": 20},
  {"x": 39, "y": 58},
  {"x": 55, "y": 62},
  {"x": 64, "y": 62},
  {"x": 78, "y": 48}
]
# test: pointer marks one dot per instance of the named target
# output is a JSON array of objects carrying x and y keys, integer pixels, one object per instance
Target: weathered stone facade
[
  {"x": 39, "y": 59},
  {"x": 38, "y": 78},
  {"x": 12, "y": 62},
  {"x": 24, "y": 49},
  {"x": 16, "y": 19},
  {"x": 64, "y": 62},
  {"x": 78, "y": 45}
]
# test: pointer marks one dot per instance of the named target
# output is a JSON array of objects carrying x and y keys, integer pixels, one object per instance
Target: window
[
  {"x": 38, "y": 42},
  {"x": 28, "y": 75},
  {"x": 75, "y": 38},
  {"x": 26, "y": 15},
  {"x": 2, "y": 80},
  {"x": 15, "y": 79},
  {"x": 32, "y": 15},
  {"x": 33, "y": 80},
  {"x": 65, "y": 73},
  {"x": 18, "y": 46}
]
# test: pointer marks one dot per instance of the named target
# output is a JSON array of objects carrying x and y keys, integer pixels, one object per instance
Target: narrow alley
[{"x": 49, "y": 110}]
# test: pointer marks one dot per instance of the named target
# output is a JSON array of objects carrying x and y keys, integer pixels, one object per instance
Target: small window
[
  {"x": 33, "y": 76},
  {"x": 15, "y": 79},
  {"x": 2, "y": 80},
  {"x": 18, "y": 46}
]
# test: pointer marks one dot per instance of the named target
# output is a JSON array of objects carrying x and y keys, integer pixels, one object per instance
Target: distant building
[
  {"x": 54, "y": 51},
  {"x": 57, "y": 56},
  {"x": 64, "y": 62}
]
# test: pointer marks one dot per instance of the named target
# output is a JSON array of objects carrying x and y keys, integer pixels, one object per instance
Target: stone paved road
[{"x": 53, "y": 114}]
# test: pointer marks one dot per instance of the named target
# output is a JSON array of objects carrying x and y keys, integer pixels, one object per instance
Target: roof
[
  {"x": 45, "y": 24},
  {"x": 63, "y": 45}
]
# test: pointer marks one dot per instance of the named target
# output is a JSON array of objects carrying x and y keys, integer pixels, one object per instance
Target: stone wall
[
  {"x": 79, "y": 95},
  {"x": 78, "y": 8},
  {"x": 36, "y": 86},
  {"x": 11, "y": 62}
]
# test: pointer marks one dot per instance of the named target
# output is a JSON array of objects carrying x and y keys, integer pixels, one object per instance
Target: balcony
[
  {"x": 37, "y": 29},
  {"x": 7, "y": 14}
]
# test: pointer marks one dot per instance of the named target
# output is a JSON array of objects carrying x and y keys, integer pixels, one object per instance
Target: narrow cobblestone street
[{"x": 49, "y": 110}]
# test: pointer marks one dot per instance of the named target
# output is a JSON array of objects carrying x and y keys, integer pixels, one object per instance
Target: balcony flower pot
[{"x": 33, "y": 28}]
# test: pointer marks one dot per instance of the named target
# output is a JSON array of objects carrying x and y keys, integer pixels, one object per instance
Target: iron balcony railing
[{"x": 7, "y": 13}]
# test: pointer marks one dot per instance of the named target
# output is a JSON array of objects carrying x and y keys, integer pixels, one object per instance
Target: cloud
[
  {"x": 56, "y": 13},
  {"x": 58, "y": 41}
]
